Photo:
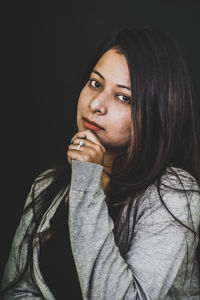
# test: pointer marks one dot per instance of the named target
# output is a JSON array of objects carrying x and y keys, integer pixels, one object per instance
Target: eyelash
[
  {"x": 95, "y": 81},
  {"x": 120, "y": 95}
]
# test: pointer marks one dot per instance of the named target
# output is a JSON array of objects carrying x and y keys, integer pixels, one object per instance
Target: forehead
[{"x": 113, "y": 66}]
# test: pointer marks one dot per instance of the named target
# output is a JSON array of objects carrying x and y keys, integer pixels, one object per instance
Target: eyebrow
[{"x": 119, "y": 85}]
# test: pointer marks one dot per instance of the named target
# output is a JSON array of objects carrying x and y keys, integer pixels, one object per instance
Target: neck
[
  {"x": 108, "y": 160},
  {"x": 107, "y": 168}
]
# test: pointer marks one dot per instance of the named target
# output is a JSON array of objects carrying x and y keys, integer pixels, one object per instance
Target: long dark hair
[{"x": 164, "y": 131}]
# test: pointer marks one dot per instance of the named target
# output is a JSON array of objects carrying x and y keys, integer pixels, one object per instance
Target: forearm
[
  {"x": 103, "y": 273},
  {"x": 157, "y": 253}
]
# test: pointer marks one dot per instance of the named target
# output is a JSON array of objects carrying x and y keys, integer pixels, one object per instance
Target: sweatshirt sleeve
[{"x": 158, "y": 247}]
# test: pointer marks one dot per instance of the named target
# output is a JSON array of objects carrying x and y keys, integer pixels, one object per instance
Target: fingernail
[{"x": 71, "y": 141}]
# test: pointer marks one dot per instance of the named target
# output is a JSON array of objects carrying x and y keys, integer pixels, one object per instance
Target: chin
[{"x": 80, "y": 127}]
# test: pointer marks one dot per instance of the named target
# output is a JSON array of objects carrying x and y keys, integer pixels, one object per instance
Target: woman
[{"x": 125, "y": 209}]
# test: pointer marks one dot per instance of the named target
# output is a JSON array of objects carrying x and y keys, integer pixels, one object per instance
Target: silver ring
[{"x": 81, "y": 143}]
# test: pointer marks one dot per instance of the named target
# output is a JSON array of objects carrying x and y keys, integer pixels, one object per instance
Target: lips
[{"x": 91, "y": 125}]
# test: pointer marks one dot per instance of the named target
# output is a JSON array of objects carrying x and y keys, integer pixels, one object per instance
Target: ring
[{"x": 81, "y": 143}]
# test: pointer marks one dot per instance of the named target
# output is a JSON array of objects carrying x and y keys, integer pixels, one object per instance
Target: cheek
[
  {"x": 82, "y": 107},
  {"x": 122, "y": 119},
  {"x": 125, "y": 126},
  {"x": 82, "y": 101},
  {"x": 121, "y": 126}
]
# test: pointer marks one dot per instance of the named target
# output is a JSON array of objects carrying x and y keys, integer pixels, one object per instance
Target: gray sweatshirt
[{"x": 160, "y": 263}]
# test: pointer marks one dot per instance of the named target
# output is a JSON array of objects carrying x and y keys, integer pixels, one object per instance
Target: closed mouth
[{"x": 93, "y": 123}]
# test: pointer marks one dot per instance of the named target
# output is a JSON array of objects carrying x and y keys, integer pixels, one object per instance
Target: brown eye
[
  {"x": 124, "y": 98},
  {"x": 94, "y": 83}
]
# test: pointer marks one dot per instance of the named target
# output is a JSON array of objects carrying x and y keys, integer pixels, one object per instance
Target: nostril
[{"x": 97, "y": 105}]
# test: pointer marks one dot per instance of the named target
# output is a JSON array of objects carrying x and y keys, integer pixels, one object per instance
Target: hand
[{"x": 92, "y": 150}]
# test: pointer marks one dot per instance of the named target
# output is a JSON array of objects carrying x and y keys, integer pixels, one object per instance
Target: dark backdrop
[{"x": 51, "y": 41}]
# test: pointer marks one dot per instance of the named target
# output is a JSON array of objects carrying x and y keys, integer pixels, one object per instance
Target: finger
[
  {"x": 75, "y": 147},
  {"x": 69, "y": 159},
  {"x": 77, "y": 155},
  {"x": 86, "y": 142},
  {"x": 89, "y": 135},
  {"x": 98, "y": 148},
  {"x": 91, "y": 151}
]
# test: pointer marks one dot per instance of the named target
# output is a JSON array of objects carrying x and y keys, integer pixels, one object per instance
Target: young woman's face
[{"x": 105, "y": 100}]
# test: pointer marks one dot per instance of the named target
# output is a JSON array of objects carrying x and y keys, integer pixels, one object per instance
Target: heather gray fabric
[{"x": 156, "y": 266}]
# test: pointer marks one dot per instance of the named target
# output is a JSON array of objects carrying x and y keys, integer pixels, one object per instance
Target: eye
[
  {"x": 124, "y": 98},
  {"x": 94, "y": 83}
]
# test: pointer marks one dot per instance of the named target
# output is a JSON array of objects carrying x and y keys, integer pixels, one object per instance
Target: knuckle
[
  {"x": 98, "y": 146},
  {"x": 85, "y": 158},
  {"x": 102, "y": 149}
]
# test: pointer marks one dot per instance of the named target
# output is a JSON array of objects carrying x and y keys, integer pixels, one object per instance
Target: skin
[{"x": 106, "y": 103}]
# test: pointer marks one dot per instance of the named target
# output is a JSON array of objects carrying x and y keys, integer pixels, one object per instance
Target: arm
[
  {"x": 155, "y": 257},
  {"x": 24, "y": 289}
]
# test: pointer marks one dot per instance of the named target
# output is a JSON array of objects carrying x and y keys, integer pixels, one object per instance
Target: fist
[{"x": 91, "y": 151}]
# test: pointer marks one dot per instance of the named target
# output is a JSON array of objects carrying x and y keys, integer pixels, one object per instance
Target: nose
[{"x": 98, "y": 105}]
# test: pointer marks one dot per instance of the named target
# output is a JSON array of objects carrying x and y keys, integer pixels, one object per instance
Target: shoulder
[
  {"x": 44, "y": 179},
  {"x": 179, "y": 179},
  {"x": 177, "y": 194},
  {"x": 178, "y": 188},
  {"x": 39, "y": 184}
]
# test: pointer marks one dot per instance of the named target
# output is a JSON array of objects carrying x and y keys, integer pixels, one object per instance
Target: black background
[{"x": 51, "y": 41}]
